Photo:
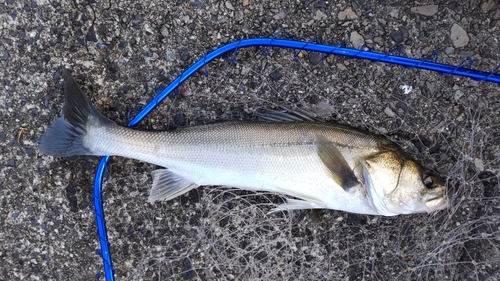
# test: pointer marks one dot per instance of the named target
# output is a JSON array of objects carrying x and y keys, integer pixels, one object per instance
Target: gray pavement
[{"x": 122, "y": 53}]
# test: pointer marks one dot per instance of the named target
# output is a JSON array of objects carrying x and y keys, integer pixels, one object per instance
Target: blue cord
[{"x": 265, "y": 42}]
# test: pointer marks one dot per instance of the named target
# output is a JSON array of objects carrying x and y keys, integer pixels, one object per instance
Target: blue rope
[{"x": 265, "y": 42}]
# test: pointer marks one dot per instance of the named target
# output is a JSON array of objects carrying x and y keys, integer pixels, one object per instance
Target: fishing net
[{"x": 217, "y": 233}]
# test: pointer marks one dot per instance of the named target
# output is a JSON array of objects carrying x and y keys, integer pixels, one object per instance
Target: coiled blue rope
[{"x": 264, "y": 42}]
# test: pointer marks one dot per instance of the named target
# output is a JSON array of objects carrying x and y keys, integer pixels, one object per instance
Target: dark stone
[
  {"x": 146, "y": 233},
  {"x": 123, "y": 44},
  {"x": 179, "y": 119},
  {"x": 402, "y": 106},
  {"x": 353, "y": 219},
  {"x": 11, "y": 162},
  {"x": 320, "y": 4},
  {"x": 91, "y": 35},
  {"x": 397, "y": 36},
  {"x": 275, "y": 75},
  {"x": 197, "y": 4},
  {"x": 213, "y": 18},
  {"x": 422, "y": 36},
  {"x": 71, "y": 195},
  {"x": 452, "y": 5},
  {"x": 184, "y": 55},
  {"x": 405, "y": 31},
  {"x": 261, "y": 256},
  {"x": 315, "y": 58},
  {"x": 313, "y": 99},
  {"x": 30, "y": 151},
  {"x": 307, "y": 2},
  {"x": 13, "y": 14},
  {"x": 419, "y": 145},
  {"x": 5, "y": 55},
  {"x": 148, "y": 54},
  {"x": 46, "y": 58},
  {"x": 113, "y": 68},
  {"x": 187, "y": 269},
  {"x": 192, "y": 25}
]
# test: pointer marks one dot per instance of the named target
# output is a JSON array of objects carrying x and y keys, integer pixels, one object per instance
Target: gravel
[{"x": 124, "y": 52}]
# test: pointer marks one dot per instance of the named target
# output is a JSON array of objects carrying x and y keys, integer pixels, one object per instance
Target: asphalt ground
[{"x": 124, "y": 52}]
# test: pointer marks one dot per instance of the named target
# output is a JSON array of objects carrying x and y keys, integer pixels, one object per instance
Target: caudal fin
[{"x": 65, "y": 137}]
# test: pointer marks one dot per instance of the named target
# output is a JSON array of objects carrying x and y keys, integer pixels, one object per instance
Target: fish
[{"x": 314, "y": 165}]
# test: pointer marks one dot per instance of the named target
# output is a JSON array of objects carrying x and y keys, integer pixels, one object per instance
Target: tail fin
[{"x": 65, "y": 137}]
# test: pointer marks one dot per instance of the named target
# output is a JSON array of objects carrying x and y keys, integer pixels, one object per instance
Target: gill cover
[{"x": 397, "y": 185}]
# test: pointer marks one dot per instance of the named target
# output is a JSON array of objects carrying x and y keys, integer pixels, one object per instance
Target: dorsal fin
[{"x": 287, "y": 115}]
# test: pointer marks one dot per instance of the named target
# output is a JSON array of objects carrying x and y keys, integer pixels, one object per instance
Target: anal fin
[{"x": 167, "y": 185}]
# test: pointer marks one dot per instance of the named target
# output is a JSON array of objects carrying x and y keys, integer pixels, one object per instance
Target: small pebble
[
  {"x": 279, "y": 16},
  {"x": 394, "y": 13},
  {"x": 488, "y": 5},
  {"x": 229, "y": 6},
  {"x": 347, "y": 14},
  {"x": 389, "y": 112},
  {"x": 479, "y": 164},
  {"x": 319, "y": 15},
  {"x": 164, "y": 31},
  {"x": 170, "y": 56},
  {"x": 459, "y": 36},
  {"x": 428, "y": 10},
  {"x": 357, "y": 40}
]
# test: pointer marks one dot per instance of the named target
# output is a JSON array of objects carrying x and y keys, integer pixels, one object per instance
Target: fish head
[{"x": 396, "y": 185}]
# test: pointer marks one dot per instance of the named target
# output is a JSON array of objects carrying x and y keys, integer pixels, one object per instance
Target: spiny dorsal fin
[
  {"x": 287, "y": 115},
  {"x": 333, "y": 160}
]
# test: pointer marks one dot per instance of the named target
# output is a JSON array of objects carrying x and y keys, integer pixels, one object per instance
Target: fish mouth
[{"x": 436, "y": 202}]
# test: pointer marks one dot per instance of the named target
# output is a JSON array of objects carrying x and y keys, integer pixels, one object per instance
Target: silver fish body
[{"x": 324, "y": 165}]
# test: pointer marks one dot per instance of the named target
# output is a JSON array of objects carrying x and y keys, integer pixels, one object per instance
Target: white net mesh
[{"x": 215, "y": 233}]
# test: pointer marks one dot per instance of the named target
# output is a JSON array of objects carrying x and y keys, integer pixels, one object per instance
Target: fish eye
[
  {"x": 429, "y": 179},
  {"x": 429, "y": 182}
]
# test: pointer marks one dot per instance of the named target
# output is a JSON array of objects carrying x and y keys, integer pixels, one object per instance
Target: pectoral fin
[
  {"x": 333, "y": 160},
  {"x": 167, "y": 185}
]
